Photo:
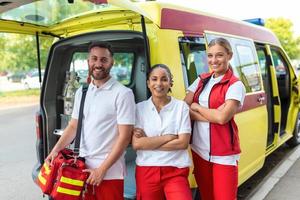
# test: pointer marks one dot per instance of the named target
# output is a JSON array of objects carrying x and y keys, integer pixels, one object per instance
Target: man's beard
[{"x": 100, "y": 75}]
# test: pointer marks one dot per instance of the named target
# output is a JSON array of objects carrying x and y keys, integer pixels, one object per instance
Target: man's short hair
[{"x": 104, "y": 45}]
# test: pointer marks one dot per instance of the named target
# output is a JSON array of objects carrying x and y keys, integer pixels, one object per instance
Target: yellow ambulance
[{"x": 146, "y": 33}]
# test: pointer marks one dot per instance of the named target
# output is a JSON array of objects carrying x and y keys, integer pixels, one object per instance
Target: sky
[{"x": 241, "y": 9}]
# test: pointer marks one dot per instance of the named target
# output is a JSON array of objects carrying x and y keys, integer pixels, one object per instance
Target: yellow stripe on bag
[
  {"x": 68, "y": 191},
  {"x": 47, "y": 169},
  {"x": 41, "y": 178},
  {"x": 71, "y": 181}
]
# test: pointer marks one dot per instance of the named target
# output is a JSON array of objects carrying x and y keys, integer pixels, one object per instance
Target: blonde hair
[{"x": 222, "y": 42}]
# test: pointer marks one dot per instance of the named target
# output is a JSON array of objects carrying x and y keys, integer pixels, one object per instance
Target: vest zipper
[
  {"x": 209, "y": 159},
  {"x": 232, "y": 135}
]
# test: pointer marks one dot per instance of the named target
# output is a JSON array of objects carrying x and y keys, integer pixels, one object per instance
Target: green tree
[
  {"x": 283, "y": 29},
  {"x": 18, "y": 52},
  {"x": 2, "y": 46}
]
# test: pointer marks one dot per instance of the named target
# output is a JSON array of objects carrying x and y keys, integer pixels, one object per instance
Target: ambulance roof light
[{"x": 257, "y": 21}]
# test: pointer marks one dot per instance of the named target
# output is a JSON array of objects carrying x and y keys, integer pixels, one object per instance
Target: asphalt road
[
  {"x": 248, "y": 188},
  {"x": 17, "y": 154}
]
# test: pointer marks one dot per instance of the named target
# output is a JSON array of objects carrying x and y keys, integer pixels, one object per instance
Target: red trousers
[
  {"x": 215, "y": 181},
  {"x": 107, "y": 190},
  {"x": 160, "y": 183}
]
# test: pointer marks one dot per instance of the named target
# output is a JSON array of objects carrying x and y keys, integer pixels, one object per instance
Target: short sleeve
[
  {"x": 185, "y": 122},
  {"x": 193, "y": 87},
  {"x": 237, "y": 92},
  {"x": 126, "y": 108},
  {"x": 138, "y": 118},
  {"x": 75, "y": 112}
]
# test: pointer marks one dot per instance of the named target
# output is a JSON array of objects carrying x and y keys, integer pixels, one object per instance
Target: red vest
[{"x": 224, "y": 139}]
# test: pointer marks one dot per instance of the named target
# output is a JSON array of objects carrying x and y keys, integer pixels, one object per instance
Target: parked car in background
[
  {"x": 120, "y": 73},
  {"x": 3, "y": 73},
  {"x": 31, "y": 80},
  {"x": 16, "y": 76},
  {"x": 82, "y": 75}
]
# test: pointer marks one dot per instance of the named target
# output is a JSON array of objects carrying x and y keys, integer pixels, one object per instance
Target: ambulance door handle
[{"x": 261, "y": 99}]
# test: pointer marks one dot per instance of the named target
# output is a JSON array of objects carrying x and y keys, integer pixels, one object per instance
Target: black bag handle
[{"x": 79, "y": 125}]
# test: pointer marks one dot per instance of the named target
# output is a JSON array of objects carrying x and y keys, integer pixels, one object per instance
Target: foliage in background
[
  {"x": 19, "y": 93},
  {"x": 283, "y": 28},
  {"x": 2, "y": 46},
  {"x": 18, "y": 52}
]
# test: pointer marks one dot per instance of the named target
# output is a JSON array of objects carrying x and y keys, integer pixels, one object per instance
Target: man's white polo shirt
[
  {"x": 105, "y": 107},
  {"x": 172, "y": 119}
]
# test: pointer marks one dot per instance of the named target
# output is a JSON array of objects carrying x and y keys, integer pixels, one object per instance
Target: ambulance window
[
  {"x": 193, "y": 57},
  {"x": 279, "y": 63},
  {"x": 243, "y": 62},
  {"x": 121, "y": 71},
  {"x": 80, "y": 66},
  {"x": 262, "y": 60},
  {"x": 248, "y": 69},
  {"x": 283, "y": 77}
]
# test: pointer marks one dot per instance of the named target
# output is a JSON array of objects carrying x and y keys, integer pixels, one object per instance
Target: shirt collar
[
  {"x": 106, "y": 86},
  {"x": 218, "y": 79},
  {"x": 166, "y": 107}
]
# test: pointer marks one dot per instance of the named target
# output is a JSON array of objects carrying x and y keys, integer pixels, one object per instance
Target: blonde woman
[{"x": 214, "y": 98}]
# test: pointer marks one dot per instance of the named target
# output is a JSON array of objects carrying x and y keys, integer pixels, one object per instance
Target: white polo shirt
[
  {"x": 172, "y": 119},
  {"x": 105, "y": 107},
  {"x": 201, "y": 133}
]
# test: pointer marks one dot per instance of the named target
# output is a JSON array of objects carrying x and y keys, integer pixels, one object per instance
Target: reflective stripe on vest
[
  {"x": 41, "y": 178},
  {"x": 68, "y": 191},
  {"x": 47, "y": 169},
  {"x": 71, "y": 181}
]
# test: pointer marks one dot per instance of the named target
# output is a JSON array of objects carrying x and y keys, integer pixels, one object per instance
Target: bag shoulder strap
[{"x": 79, "y": 125}]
